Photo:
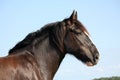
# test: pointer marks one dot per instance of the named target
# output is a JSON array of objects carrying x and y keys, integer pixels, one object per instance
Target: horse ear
[{"x": 73, "y": 16}]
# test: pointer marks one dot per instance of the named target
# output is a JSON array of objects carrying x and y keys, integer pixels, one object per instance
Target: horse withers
[{"x": 39, "y": 55}]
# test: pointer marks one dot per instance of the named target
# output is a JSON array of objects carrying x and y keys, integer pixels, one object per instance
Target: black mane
[
  {"x": 52, "y": 30},
  {"x": 31, "y": 37}
]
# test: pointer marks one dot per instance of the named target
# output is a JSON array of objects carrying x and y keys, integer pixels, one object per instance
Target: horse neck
[{"x": 48, "y": 58}]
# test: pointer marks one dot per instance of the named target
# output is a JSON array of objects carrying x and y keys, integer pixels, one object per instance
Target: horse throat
[{"x": 48, "y": 58}]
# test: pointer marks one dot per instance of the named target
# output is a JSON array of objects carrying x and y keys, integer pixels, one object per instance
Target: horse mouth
[
  {"x": 92, "y": 62},
  {"x": 89, "y": 63}
]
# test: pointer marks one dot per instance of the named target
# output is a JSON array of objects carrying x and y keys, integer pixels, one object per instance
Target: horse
[{"x": 39, "y": 55}]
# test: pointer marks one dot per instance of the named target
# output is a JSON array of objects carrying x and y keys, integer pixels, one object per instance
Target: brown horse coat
[{"x": 21, "y": 66}]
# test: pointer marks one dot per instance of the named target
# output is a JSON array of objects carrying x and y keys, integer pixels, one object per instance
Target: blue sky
[{"x": 101, "y": 18}]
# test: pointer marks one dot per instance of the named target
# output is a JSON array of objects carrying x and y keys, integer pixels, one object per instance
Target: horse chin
[{"x": 89, "y": 63}]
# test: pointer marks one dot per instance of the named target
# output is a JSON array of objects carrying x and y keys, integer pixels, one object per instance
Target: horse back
[{"x": 19, "y": 67}]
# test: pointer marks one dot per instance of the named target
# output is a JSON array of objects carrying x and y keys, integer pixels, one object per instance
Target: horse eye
[{"x": 78, "y": 31}]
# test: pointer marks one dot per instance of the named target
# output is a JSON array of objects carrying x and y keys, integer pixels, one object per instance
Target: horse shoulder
[{"x": 19, "y": 67}]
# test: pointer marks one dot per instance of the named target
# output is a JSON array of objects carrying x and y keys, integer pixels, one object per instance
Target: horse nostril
[{"x": 97, "y": 56}]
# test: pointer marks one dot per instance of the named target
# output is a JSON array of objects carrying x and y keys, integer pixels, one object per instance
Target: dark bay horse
[{"x": 38, "y": 56}]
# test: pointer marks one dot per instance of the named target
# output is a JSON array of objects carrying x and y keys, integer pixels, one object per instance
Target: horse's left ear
[{"x": 73, "y": 16}]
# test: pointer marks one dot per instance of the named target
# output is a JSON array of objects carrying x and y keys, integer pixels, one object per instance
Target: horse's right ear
[{"x": 73, "y": 16}]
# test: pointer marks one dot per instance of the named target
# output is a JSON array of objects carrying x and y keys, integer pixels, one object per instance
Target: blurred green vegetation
[{"x": 108, "y": 78}]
